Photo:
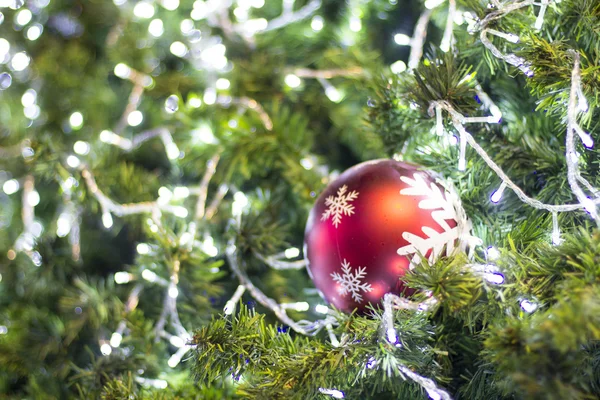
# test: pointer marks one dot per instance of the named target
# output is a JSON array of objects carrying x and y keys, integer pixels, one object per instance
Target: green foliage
[
  {"x": 269, "y": 362},
  {"x": 535, "y": 336}
]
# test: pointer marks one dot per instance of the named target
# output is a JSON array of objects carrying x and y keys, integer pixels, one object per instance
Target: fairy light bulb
[
  {"x": 336, "y": 394},
  {"x": 76, "y": 120},
  {"x": 392, "y": 336},
  {"x": 401, "y": 39},
  {"x": 34, "y": 32},
  {"x": 293, "y": 81},
  {"x": 144, "y": 10},
  {"x": 23, "y": 17},
  {"x": 105, "y": 349},
  {"x": 222, "y": 84},
  {"x": 82, "y": 148},
  {"x": 176, "y": 341},
  {"x": 398, "y": 67},
  {"x": 316, "y": 24},
  {"x": 148, "y": 275},
  {"x": 11, "y": 186},
  {"x": 156, "y": 27},
  {"x": 20, "y": 61},
  {"x": 497, "y": 195},
  {"x": 122, "y": 277},
  {"x": 107, "y": 220},
  {"x": 122, "y": 71},
  {"x": 321, "y": 309},
  {"x": 556, "y": 240},
  {"x": 73, "y": 161},
  {"x": 292, "y": 252},
  {"x": 115, "y": 339},
  {"x": 135, "y": 118},
  {"x": 492, "y": 253},
  {"x": 355, "y": 24}
]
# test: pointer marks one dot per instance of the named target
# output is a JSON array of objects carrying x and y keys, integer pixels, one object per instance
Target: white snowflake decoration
[
  {"x": 339, "y": 205},
  {"x": 447, "y": 207},
  {"x": 352, "y": 282}
]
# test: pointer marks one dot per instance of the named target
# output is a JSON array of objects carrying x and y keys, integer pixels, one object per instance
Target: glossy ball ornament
[{"x": 373, "y": 223}]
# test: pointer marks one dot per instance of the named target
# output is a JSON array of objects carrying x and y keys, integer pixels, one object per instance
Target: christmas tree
[{"x": 159, "y": 160}]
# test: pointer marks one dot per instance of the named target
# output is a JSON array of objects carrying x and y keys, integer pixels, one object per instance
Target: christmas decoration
[{"x": 372, "y": 224}]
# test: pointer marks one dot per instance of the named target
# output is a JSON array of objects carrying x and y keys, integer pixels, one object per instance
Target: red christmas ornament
[{"x": 372, "y": 224}]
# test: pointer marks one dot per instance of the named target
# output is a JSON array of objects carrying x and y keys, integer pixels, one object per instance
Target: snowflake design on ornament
[
  {"x": 339, "y": 205},
  {"x": 446, "y": 207},
  {"x": 352, "y": 282}
]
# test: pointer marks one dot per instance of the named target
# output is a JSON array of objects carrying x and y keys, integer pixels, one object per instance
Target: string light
[
  {"x": 73, "y": 161},
  {"x": 322, "y": 309},
  {"x": 148, "y": 275},
  {"x": 210, "y": 96},
  {"x": 176, "y": 341},
  {"x": 208, "y": 246},
  {"x": 307, "y": 163},
  {"x": 33, "y": 199},
  {"x": 173, "y": 292},
  {"x": 5, "y": 80},
  {"x": 194, "y": 102},
  {"x": 20, "y": 61},
  {"x": 398, "y": 67},
  {"x": 76, "y": 120},
  {"x": 105, "y": 349},
  {"x": 462, "y": 158},
  {"x": 556, "y": 240},
  {"x": 402, "y": 39},
  {"x": 107, "y": 220},
  {"x": 115, "y": 339},
  {"x": 497, "y": 195},
  {"x": 355, "y": 24},
  {"x": 298, "y": 306},
  {"x": 63, "y": 224},
  {"x": 431, "y": 4},
  {"x": 172, "y": 104},
  {"x": 4, "y": 48},
  {"x": 122, "y": 277},
  {"x": 231, "y": 303},
  {"x": 293, "y": 81},
  {"x": 143, "y": 248},
  {"x": 23, "y": 17},
  {"x": 144, "y": 10},
  {"x": 222, "y": 84},
  {"x": 34, "y": 32},
  {"x": 336, "y": 394},
  {"x": 170, "y": 5},
  {"x": 82, "y": 148},
  {"x": 122, "y": 71},
  {"x": 528, "y": 306},
  {"x": 11, "y": 186},
  {"x": 135, "y": 118},
  {"x": 156, "y": 27},
  {"x": 492, "y": 253},
  {"x": 292, "y": 252},
  {"x": 316, "y": 23},
  {"x": 178, "y": 49}
]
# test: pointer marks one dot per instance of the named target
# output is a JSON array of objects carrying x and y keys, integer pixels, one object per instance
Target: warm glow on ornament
[{"x": 372, "y": 224}]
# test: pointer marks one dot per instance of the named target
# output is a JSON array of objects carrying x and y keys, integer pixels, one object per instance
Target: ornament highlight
[{"x": 372, "y": 224}]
